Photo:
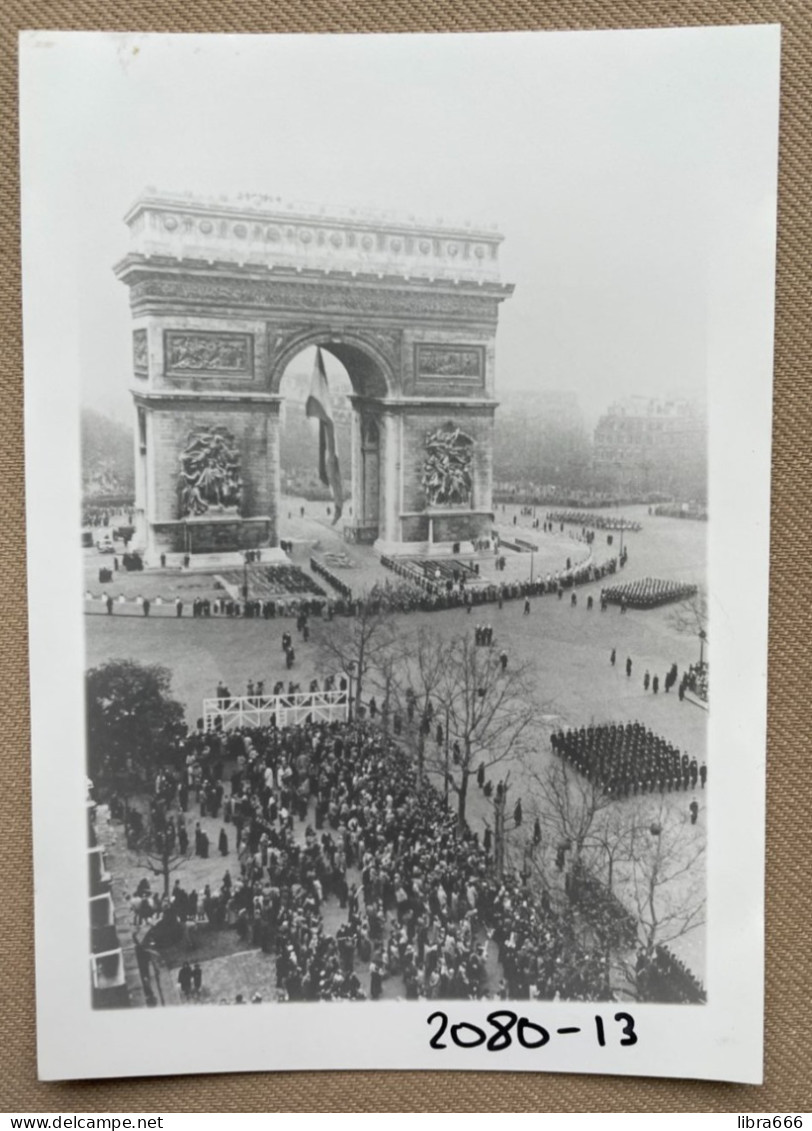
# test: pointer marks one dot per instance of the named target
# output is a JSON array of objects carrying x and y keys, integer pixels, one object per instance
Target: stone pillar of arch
[{"x": 389, "y": 522}]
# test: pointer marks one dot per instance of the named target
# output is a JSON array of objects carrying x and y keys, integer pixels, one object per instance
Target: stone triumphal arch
[{"x": 224, "y": 294}]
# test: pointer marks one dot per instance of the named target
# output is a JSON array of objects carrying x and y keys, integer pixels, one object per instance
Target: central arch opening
[{"x": 308, "y": 508}]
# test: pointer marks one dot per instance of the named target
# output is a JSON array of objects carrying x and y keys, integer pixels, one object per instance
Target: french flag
[{"x": 319, "y": 407}]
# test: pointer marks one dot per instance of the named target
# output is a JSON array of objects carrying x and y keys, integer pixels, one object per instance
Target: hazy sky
[{"x": 592, "y": 152}]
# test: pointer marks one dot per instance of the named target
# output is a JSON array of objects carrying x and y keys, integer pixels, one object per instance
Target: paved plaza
[{"x": 566, "y": 647}]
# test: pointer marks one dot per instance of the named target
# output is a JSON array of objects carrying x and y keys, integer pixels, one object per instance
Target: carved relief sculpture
[
  {"x": 205, "y": 352},
  {"x": 140, "y": 355},
  {"x": 303, "y": 296},
  {"x": 210, "y": 480},
  {"x": 447, "y": 477},
  {"x": 462, "y": 362}
]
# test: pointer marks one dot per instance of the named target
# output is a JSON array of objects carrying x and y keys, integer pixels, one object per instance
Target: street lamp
[
  {"x": 445, "y": 778},
  {"x": 703, "y": 636},
  {"x": 351, "y": 666}
]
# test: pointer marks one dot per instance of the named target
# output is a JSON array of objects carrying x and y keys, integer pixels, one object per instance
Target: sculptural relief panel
[
  {"x": 210, "y": 478},
  {"x": 446, "y": 477},
  {"x": 449, "y": 368},
  {"x": 352, "y": 298},
  {"x": 202, "y": 352},
  {"x": 140, "y": 353},
  {"x": 446, "y": 462},
  {"x": 438, "y": 362}
]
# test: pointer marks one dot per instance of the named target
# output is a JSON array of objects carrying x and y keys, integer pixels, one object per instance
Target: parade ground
[{"x": 566, "y": 647}]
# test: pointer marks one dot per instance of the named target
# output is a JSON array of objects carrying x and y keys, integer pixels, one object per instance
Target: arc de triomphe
[{"x": 224, "y": 294}]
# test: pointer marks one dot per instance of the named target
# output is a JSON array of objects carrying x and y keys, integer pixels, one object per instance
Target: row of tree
[{"x": 634, "y": 868}]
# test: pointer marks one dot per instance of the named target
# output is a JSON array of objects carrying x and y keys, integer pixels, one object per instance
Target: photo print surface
[{"x": 396, "y": 462}]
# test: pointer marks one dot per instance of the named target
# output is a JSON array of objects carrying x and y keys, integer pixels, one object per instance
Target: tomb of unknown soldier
[{"x": 225, "y": 294}]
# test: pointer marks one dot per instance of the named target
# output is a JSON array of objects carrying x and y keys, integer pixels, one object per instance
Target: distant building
[
  {"x": 650, "y": 445},
  {"x": 540, "y": 438}
]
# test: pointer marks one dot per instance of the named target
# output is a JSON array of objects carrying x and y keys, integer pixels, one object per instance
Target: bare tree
[
  {"x": 488, "y": 710},
  {"x": 666, "y": 875},
  {"x": 609, "y": 844},
  {"x": 690, "y": 618},
  {"x": 385, "y": 679},
  {"x": 590, "y": 836},
  {"x": 358, "y": 644},
  {"x": 158, "y": 855},
  {"x": 633, "y": 869},
  {"x": 568, "y": 804},
  {"x": 424, "y": 661}
]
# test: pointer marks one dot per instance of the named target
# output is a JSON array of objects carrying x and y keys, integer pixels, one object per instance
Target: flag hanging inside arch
[{"x": 319, "y": 407}]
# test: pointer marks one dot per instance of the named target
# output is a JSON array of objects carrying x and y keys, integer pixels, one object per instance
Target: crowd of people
[
  {"x": 273, "y": 581},
  {"x": 601, "y": 907},
  {"x": 647, "y": 593},
  {"x": 423, "y": 904},
  {"x": 255, "y": 689},
  {"x": 437, "y": 597},
  {"x": 671, "y": 677},
  {"x": 321, "y": 570},
  {"x": 680, "y": 510},
  {"x": 585, "y": 519},
  {"x": 101, "y": 516},
  {"x": 444, "y": 572},
  {"x": 628, "y": 758},
  {"x": 661, "y": 976},
  {"x": 552, "y": 495},
  {"x": 696, "y": 679},
  {"x": 411, "y": 592}
]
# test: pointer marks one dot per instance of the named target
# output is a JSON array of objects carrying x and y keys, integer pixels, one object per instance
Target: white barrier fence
[{"x": 282, "y": 710}]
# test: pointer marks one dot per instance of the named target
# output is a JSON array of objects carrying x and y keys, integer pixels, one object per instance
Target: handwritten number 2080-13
[{"x": 529, "y": 1035}]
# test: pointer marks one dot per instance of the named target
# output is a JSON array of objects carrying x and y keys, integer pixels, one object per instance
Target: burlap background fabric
[{"x": 788, "y": 1067}]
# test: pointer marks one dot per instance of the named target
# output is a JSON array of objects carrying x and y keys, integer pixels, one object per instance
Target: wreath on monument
[
  {"x": 447, "y": 477},
  {"x": 210, "y": 478}
]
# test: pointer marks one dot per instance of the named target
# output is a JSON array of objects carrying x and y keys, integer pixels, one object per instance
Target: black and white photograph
[{"x": 398, "y": 439}]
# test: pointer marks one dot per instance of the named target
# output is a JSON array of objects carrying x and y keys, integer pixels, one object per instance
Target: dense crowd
[
  {"x": 444, "y": 572},
  {"x": 601, "y": 908},
  {"x": 100, "y": 516},
  {"x": 678, "y": 510},
  {"x": 421, "y": 898},
  {"x": 411, "y": 592},
  {"x": 647, "y": 593},
  {"x": 696, "y": 679},
  {"x": 599, "y": 521},
  {"x": 628, "y": 758},
  {"x": 218, "y": 607},
  {"x": 436, "y": 596},
  {"x": 551, "y": 495},
  {"x": 662, "y": 977}
]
